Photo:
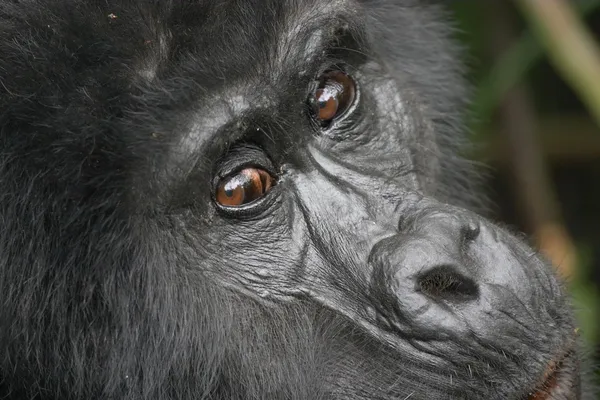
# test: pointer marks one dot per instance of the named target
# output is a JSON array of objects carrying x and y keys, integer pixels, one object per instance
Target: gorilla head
[{"x": 255, "y": 199}]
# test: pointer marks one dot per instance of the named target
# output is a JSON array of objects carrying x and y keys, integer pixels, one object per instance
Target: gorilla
[{"x": 256, "y": 199}]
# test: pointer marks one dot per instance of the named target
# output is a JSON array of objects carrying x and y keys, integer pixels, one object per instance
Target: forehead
[
  {"x": 252, "y": 22},
  {"x": 247, "y": 34}
]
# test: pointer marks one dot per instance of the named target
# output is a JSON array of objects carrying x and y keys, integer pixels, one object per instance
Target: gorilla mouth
[{"x": 558, "y": 381}]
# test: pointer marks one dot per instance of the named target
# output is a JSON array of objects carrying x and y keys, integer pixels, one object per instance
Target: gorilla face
[{"x": 255, "y": 200}]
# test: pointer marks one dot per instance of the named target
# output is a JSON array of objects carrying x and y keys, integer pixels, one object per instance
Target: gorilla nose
[
  {"x": 431, "y": 256},
  {"x": 432, "y": 271}
]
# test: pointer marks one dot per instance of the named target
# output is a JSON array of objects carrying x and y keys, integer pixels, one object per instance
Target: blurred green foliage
[
  {"x": 510, "y": 68},
  {"x": 491, "y": 82}
]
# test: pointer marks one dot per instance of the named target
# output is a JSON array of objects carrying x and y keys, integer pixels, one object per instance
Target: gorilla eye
[
  {"x": 334, "y": 95},
  {"x": 243, "y": 187}
]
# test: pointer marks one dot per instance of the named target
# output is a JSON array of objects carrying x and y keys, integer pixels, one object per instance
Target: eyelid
[
  {"x": 348, "y": 43},
  {"x": 345, "y": 45},
  {"x": 242, "y": 156}
]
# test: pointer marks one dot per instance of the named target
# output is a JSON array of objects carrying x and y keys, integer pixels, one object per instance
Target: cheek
[
  {"x": 394, "y": 111},
  {"x": 260, "y": 257},
  {"x": 385, "y": 134},
  {"x": 405, "y": 133}
]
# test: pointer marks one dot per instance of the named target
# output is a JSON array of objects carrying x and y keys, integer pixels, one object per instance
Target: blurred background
[{"x": 535, "y": 123}]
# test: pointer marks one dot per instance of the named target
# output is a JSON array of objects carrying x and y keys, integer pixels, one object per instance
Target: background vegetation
[{"x": 535, "y": 68}]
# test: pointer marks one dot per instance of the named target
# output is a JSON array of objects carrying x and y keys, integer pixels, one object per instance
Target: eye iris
[
  {"x": 243, "y": 187},
  {"x": 334, "y": 95}
]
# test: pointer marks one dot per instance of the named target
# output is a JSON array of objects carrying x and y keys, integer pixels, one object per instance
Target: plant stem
[
  {"x": 511, "y": 68},
  {"x": 570, "y": 46}
]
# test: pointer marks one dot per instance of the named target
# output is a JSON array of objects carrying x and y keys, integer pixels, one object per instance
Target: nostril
[
  {"x": 470, "y": 231},
  {"x": 445, "y": 283}
]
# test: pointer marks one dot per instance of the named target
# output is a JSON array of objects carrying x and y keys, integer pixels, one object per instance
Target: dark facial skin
[{"x": 346, "y": 261}]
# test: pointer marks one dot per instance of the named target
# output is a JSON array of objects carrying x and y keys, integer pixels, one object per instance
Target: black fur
[{"x": 120, "y": 278}]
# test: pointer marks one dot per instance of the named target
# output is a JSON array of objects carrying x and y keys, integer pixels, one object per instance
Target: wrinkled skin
[{"x": 360, "y": 274}]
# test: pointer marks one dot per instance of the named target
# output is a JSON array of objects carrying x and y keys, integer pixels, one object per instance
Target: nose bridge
[
  {"x": 350, "y": 223},
  {"x": 430, "y": 218}
]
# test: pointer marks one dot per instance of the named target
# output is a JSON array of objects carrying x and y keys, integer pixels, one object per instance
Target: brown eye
[
  {"x": 243, "y": 187},
  {"x": 334, "y": 95}
]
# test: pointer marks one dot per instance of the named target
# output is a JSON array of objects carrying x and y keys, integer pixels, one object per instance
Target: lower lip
[
  {"x": 560, "y": 380},
  {"x": 547, "y": 388}
]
